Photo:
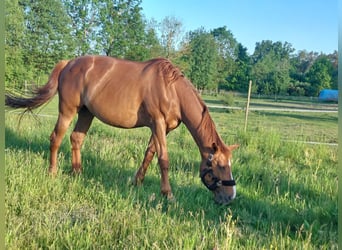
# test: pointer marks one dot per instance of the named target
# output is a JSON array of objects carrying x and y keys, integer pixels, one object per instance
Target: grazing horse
[{"x": 129, "y": 94}]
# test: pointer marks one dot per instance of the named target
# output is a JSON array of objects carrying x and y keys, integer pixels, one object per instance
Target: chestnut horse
[{"x": 129, "y": 94}]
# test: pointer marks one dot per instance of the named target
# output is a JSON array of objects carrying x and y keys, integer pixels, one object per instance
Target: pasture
[{"x": 286, "y": 190}]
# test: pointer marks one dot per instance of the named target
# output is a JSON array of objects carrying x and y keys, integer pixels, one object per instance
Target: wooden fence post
[{"x": 248, "y": 100}]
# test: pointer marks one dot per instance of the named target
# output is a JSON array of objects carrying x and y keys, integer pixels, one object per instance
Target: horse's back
[{"x": 119, "y": 92}]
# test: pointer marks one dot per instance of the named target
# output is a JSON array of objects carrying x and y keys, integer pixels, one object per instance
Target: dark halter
[{"x": 216, "y": 181}]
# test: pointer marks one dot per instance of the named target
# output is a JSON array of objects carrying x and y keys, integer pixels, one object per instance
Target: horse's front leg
[
  {"x": 159, "y": 139},
  {"x": 149, "y": 153}
]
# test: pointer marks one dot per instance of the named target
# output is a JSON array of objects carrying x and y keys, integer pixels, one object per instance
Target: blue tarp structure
[{"x": 328, "y": 95}]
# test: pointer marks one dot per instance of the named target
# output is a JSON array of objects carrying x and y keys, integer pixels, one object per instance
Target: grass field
[{"x": 286, "y": 191}]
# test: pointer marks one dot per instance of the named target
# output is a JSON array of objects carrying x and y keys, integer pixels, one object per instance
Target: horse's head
[{"x": 216, "y": 174}]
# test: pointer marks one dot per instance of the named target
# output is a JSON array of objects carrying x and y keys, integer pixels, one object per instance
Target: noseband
[{"x": 216, "y": 181}]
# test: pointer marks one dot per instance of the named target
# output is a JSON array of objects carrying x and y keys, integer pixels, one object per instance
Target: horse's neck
[{"x": 196, "y": 118}]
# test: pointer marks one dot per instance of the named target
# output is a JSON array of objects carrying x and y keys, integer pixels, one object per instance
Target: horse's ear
[
  {"x": 215, "y": 148},
  {"x": 232, "y": 147}
]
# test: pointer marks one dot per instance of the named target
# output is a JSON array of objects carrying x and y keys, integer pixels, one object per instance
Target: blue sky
[{"x": 310, "y": 25}]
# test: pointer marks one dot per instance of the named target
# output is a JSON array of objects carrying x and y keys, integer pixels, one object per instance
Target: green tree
[
  {"x": 240, "y": 76},
  {"x": 171, "y": 32},
  {"x": 333, "y": 58},
  {"x": 301, "y": 63},
  {"x": 181, "y": 57},
  {"x": 320, "y": 75},
  {"x": 271, "y": 67},
  {"x": 226, "y": 43},
  {"x": 299, "y": 67},
  {"x": 153, "y": 46},
  {"x": 226, "y": 46},
  {"x": 84, "y": 21},
  {"x": 203, "y": 58},
  {"x": 48, "y": 38},
  {"x": 122, "y": 29},
  {"x": 15, "y": 73}
]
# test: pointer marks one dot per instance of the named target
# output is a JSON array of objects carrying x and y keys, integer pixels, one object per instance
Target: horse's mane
[
  {"x": 207, "y": 127},
  {"x": 169, "y": 72}
]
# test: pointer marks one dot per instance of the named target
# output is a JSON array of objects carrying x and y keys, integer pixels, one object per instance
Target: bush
[{"x": 227, "y": 98}]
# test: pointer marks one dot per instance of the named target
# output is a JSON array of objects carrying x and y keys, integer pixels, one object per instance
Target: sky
[{"x": 310, "y": 25}]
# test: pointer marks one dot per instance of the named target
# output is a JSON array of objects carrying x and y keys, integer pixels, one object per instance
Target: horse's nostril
[{"x": 223, "y": 200}]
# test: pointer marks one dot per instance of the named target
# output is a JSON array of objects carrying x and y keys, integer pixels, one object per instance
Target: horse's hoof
[
  {"x": 133, "y": 181},
  {"x": 137, "y": 181},
  {"x": 171, "y": 198},
  {"x": 52, "y": 172},
  {"x": 76, "y": 172}
]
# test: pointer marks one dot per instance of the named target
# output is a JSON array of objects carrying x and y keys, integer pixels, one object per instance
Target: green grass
[
  {"x": 297, "y": 126},
  {"x": 287, "y": 192}
]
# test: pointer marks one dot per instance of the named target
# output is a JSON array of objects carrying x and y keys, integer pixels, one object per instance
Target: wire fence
[
  {"x": 276, "y": 109},
  {"x": 16, "y": 112}
]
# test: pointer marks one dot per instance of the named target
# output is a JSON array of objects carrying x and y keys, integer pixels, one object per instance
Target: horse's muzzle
[{"x": 223, "y": 198}]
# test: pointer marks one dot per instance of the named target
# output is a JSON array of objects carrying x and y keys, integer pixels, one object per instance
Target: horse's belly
[
  {"x": 118, "y": 118},
  {"x": 114, "y": 108}
]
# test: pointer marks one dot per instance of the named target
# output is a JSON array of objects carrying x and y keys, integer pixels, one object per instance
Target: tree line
[{"x": 38, "y": 34}]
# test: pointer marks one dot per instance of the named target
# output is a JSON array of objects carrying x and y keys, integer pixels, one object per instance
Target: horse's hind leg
[
  {"x": 77, "y": 136},
  {"x": 149, "y": 153},
  {"x": 56, "y": 138}
]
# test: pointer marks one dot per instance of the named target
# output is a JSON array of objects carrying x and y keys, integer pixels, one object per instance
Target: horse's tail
[{"x": 40, "y": 95}]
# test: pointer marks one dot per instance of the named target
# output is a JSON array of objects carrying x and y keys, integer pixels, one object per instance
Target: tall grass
[{"x": 287, "y": 193}]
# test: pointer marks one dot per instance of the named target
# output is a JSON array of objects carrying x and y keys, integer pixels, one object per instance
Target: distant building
[{"x": 328, "y": 95}]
